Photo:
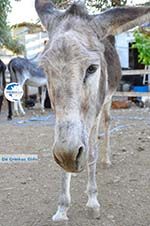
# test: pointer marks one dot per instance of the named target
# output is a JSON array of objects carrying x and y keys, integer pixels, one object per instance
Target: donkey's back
[{"x": 22, "y": 67}]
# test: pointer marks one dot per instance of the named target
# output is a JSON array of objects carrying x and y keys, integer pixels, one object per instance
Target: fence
[{"x": 131, "y": 93}]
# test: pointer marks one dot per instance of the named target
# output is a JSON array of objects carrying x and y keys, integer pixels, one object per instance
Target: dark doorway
[{"x": 133, "y": 58}]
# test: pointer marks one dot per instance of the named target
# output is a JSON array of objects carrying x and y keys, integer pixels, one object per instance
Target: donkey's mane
[{"x": 78, "y": 10}]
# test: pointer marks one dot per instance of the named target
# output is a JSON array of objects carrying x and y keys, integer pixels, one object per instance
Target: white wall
[
  {"x": 122, "y": 46},
  {"x": 34, "y": 43}
]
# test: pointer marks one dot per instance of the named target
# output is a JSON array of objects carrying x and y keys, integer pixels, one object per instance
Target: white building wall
[
  {"x": 34, "y": 43},
  {"x": 122, "y": 46}
]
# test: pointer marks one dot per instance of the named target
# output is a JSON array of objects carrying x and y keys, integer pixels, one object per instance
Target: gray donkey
[
  {"x": 83, "y": 73},
  {"x": 25, "y": 71}
]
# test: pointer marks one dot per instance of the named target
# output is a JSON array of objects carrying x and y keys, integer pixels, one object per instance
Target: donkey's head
[{"x": 74, "y": 60}]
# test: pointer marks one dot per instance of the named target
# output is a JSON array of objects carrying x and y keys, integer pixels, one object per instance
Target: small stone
[
  {"x": 124, "y": 149},
  {"x": 117, "y": 179},
  {"x": 111, "y": 217},
  {"x": 23, "y": 182},
  {"x": 133, "y": 179},
  {"x": 140, "y": 149},
  {"x": 29, "y": 178}
]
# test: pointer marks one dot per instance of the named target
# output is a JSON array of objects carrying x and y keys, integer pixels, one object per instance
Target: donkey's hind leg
[
  {"x": 21, "y": 107},
  {"x": 43, "y": 96},
  {"x": 22, "y": 81},
  {"x": 18, "y": 108},
  {"x": 17, "y": 105},
  {"x": 106, "y": 151}
]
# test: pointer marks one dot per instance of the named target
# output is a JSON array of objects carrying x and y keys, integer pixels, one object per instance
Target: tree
[
  {"x": 95, "y": 4},
  {"x": 105, "y": 4},
  {"x": 142, "y": 43},
  {"x": 6, "y": 38}
]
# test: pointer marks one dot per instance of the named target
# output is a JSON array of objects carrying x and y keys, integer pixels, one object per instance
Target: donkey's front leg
[
  {"x": 92, "y": 204},
  {"x": 64, "y": 198}
]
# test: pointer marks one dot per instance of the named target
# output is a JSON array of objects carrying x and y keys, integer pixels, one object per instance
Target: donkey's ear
[
  {"x": 120, "y": 19},
  {"x": 47, "y": 12}
]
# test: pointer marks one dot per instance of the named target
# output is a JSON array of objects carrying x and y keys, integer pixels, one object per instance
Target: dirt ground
[{"x": 29, "y": 191}]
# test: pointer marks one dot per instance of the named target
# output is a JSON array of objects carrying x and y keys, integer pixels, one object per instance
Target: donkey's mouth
[{"x": 69, "y": 165}]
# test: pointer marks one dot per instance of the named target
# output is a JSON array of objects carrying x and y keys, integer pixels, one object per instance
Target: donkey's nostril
[{"x": 80, "y": 152}]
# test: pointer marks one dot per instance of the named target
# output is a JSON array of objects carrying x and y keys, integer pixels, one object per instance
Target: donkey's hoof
[
  {"x": 42, "y": 111},
  {"x": 16, "y": 114},
  {"x": 59, "y": 217},
  {"x": 22, "y": 114},
  {"x": 94, "y": 213},
  {"x": 106, "y": 164},
  {"x": 74, "y": 174}
]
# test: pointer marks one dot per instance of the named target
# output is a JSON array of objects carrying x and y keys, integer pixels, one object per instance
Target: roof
[{"x": 32, "y": 28}]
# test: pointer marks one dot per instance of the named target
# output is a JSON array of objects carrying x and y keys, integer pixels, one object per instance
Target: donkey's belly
[{"x": 36, "y": 82}]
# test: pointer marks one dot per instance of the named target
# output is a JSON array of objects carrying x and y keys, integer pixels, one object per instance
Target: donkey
[
  {"x": 83, "y": 72},
  {"x": 2, "y": 87},
  {"x": 23, "y": 71}
]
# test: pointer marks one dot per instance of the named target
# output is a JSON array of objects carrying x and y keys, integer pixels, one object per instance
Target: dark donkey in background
[
  {"x": 83, "y": 73},
  {"x": 2, "y": 87}
]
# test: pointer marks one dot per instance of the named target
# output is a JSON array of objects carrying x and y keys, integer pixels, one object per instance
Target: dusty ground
[{"x": 29, "y": 191}]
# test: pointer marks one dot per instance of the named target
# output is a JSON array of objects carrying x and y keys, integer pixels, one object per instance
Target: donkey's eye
[{"x": 91, "y": 69}]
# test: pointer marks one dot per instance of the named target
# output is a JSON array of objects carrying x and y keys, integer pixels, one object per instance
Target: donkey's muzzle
[{"x": 69, "y": 160}]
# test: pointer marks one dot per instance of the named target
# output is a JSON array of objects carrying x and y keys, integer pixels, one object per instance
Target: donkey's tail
[{"x": 12, "y": 72}]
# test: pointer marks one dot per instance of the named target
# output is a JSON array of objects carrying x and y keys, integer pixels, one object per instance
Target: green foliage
[
  {"x": 142, "y": 43},
  {"x": 96, "y": 5},
  {"x": 5, "y": 8},
  {"x": 5, "y": 32},
  {"x": 105, "y": 4},
  {"x": 10, "y": 43}
]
